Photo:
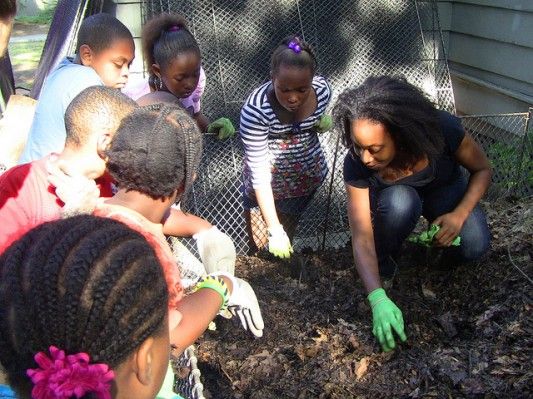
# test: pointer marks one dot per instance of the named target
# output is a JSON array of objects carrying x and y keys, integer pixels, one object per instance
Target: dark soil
[
  {"x": 22, "y": 29},
  {"x": 469, "y": 328}
]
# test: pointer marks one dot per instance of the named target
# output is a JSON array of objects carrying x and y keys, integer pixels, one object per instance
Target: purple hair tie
[
  {"x": 174, "y": 28},
  {"x": 294, "y": 46}
]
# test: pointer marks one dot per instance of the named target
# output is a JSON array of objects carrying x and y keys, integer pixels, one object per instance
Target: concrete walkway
[{"x": 28, "y": 38}]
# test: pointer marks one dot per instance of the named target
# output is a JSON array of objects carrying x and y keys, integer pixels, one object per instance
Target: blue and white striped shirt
[{"x": 288, "y": 157}]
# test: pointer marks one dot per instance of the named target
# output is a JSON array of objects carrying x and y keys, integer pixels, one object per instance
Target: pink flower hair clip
[
  {"x": 174, "y": 28},
  {"x": 62, "y": 377}
]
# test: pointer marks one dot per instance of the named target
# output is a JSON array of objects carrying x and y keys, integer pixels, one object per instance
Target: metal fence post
[
  {"x": 328, "y": 206},
  {"x": 521, "y": 173}
]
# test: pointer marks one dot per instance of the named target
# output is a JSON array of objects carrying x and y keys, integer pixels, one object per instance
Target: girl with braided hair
[
  {"x": 83, "y": 312},
  {"x": 173, "y": 61},
  {"x": 284, "y": 163},
  {"x": 153, "y": 159}
]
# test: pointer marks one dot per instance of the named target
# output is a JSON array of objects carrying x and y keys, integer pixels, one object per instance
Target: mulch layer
[{"x": 470, "y": 327}]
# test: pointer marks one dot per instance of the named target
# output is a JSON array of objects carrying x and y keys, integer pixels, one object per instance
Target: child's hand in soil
[
  {"x": 243, "y": 303},
  {"x": 278, "y": 242}
]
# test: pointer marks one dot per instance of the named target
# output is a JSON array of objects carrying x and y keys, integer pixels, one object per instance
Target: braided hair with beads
[
  {"x": 83, "y": 284},
  {"x": 156, "y": 150}
]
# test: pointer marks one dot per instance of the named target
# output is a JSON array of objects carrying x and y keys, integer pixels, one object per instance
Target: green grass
[
  {"x": 41, "y": 19},
  {"x": 25, "y": 58},
  {"x": 23, "y": 52},
  {"x": 44, "y": 17}
]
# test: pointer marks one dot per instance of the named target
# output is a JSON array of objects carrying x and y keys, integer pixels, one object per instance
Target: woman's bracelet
[{"x": 217, "y": 284}]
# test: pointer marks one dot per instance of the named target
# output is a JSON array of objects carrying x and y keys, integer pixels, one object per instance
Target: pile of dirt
[{"x": 469, "y": 328}]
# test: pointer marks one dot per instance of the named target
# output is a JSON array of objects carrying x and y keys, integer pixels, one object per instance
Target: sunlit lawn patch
[{"x": 25, "y": 58}]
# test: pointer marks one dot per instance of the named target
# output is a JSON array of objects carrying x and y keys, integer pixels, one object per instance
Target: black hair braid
[
  {"x": 89, "y": 293},
  {"x": 102, "y": 275},
  {"x": 11, "y": 342},
  {"x": 193, "y": 146},
  {"x": 48, "y": 300},
  {"x": 126, "y": 323},
  {"x": 136, "y": 326},
  {"x": 104, "y": 279},
  {"x": 156, "y": 151},
  {"x": 283, "y": 55}
]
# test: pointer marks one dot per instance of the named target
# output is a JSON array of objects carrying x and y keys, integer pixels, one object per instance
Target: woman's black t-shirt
[{"x": 440, "y": 172}]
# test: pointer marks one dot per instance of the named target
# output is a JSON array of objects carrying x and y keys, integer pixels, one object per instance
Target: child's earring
[{"x": 160, "y": 83}]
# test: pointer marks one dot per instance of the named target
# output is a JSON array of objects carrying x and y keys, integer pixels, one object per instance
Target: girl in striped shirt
[{"x": 284, "y": 164}]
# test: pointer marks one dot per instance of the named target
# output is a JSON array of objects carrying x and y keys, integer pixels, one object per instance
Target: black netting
[
  {"x": 324, "y": 224},
  {"x": 352, "y": 40}
]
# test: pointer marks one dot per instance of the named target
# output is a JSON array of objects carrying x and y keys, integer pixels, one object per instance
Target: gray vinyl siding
[{"x": 490, "y": 51}]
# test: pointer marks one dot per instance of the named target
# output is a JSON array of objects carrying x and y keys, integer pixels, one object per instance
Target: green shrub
[
  {"x": 44, "y": 17},
  {"x": 512, "y": 171}
]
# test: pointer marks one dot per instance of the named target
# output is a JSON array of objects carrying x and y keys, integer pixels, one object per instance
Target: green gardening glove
[
  {"x": 324, "y": 124},
  {"x": 426, "y": 237},
  {"x": 223, "y": 126},
  {"x": 278, "y": 242},
  {"x": 385, "y": 314}
]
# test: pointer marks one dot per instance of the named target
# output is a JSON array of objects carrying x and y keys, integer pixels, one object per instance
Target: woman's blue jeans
[{"x": 396, "y": 210}]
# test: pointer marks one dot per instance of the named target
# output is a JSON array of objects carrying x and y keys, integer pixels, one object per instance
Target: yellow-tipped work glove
[
  {"x": 386, "y": 318},
  {"x": 324, "y": 124},
  {"x": 223, "y": 126},
  {"x": 279, "y": 244}
]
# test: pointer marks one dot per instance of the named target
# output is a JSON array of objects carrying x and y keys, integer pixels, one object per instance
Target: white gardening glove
[
  {"x": 278, "y": 242},
  {"x": 216, "y": 250},
  {"x": 243, "y": 303},
  {"x": 78, "y": 193}
]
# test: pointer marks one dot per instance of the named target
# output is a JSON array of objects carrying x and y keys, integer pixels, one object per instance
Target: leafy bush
[
  {"x": 44, "y": 17},
  {"x": 513, "y": 171}
]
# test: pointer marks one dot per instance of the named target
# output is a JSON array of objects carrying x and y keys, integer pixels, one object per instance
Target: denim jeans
[{"x": 396, "y": 210}]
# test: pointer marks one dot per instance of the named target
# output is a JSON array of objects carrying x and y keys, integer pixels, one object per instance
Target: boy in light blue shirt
[{"x": 104, "y": 53}]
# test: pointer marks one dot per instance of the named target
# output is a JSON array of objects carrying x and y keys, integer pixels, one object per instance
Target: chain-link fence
[
  {"x": 508, "y": 141},
  {"x": 352, "y": 39}
]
